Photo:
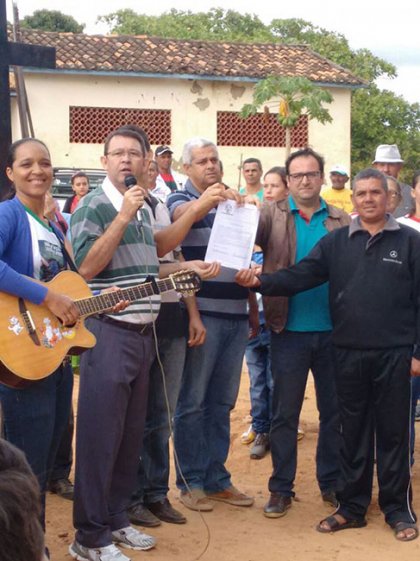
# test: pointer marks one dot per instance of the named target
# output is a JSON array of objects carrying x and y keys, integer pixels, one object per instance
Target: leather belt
[{"x": 141, "y": 328}]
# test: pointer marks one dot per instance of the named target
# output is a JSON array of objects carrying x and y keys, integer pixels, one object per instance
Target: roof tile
[{"x": 149, "y": 55}]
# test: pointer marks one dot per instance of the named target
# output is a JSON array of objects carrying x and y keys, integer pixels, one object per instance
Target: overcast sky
[{"x": 392, "y": 33}]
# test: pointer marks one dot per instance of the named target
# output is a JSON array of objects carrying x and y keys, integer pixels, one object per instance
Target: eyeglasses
[
  {"x": 310, "y": 176},
  {"x": 132, "y": 154}
]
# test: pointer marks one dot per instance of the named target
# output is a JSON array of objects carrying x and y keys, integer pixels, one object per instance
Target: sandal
[
  {"x": 401, "y": 526},
  {"x": 336, "y": 526}
]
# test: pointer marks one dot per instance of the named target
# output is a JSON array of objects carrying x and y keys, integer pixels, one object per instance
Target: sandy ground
[{"x": 244, "y": 534}]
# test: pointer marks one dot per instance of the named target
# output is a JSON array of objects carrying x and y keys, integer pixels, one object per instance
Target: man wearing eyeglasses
[
  {"x": 113, "y": 247},
  {"x": 300, "y": 331}
]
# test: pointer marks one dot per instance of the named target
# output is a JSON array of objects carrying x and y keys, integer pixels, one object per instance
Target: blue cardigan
[{"x": 16, "y": 257}]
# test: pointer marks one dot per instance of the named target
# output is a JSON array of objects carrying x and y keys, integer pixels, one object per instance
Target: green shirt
[
  {"x": 259, "y": 194},
  {"x": 134, "y": 259}
]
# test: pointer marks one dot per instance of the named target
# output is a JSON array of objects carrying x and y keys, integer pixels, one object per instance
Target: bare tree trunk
[{"x": 288, "y": 141}]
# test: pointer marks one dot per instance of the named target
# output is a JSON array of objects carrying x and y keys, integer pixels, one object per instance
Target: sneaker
[
  {"x": 232, "y": 496},
  {"x": 196, "y": 499},
  {"x": 300, "y": 433},
  {"x": 107, "y": 553},
  {"x": 260, "y": 447},
  {"x": 131, "y": 538},
  {"x": 248, "y": 436},
  {"x": 62, "y": 487}
]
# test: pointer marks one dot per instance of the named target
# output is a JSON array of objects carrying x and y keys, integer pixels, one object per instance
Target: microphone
[{"x": 129, "y": 182}]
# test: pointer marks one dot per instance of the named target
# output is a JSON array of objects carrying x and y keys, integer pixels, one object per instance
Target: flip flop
[
  {"x": 401, "y": 526},
  {"x": 335, "y": 526}
]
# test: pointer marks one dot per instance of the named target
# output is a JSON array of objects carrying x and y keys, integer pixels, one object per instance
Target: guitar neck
[{"x": 107, "y": 300}]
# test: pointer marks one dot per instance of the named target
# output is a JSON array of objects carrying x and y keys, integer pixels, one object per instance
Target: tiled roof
[{"x": 149, "y": 55}]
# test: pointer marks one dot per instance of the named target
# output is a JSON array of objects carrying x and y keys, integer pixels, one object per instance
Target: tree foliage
[
  {"x": 381, "y": 117},
  {"x": 295, "y": 96},
  {"x": 216, "y": 24},
  {"x": 52, "y": 20},
  {"x": 378, "y": 116}
]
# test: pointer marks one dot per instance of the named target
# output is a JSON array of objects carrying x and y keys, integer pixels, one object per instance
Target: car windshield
[{"x": 61, "y": 187}]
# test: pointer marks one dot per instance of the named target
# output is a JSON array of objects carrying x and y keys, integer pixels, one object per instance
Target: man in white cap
[
  {"x": 168, "y": 181},
  {"x": 388, "y": 160},
  {"x": 337, "y": 195}
]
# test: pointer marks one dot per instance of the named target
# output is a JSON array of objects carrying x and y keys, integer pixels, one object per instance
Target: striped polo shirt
[
  {"x": 134, "y": 259},
  {"x": 221, "y": 296}
]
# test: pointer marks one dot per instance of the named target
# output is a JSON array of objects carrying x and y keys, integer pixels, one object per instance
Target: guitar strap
[{"x": 66, "y": 254}]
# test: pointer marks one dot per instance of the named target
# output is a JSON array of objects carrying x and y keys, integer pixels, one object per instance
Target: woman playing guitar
[{"x": 34, "y": 416}]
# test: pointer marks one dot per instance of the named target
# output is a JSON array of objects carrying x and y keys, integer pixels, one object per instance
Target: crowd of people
[{"x": 339, "y": 274}]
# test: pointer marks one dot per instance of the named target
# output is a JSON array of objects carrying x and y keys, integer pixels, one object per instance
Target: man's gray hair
[
  {"x": 370, "y": 173},
  {"x": 190, "y": 145}
]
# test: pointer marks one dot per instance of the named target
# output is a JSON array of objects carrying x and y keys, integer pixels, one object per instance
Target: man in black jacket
[{"x": 373, "y": 267}]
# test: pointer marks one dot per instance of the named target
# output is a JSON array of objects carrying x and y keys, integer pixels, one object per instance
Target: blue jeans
[
  {"x": 153, "y": 473},
  {"x": 293, "y": 354},
  {"x": 257, "y": 355},
  {"x": 35, "y": 418},
  {"x": 208, "y": 393}
]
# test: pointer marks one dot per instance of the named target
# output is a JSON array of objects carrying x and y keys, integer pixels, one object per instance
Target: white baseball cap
[{"x": 341, "y": 170}]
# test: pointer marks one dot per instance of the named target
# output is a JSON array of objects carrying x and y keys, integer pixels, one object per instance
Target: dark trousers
[
  {"x": 373, "y": 388},
  {"x": 64, "y": 458},
  {"x": 114, "y": 378},
  {"x": 293, "y": 354},
  {"x": 153, "y": 471}
]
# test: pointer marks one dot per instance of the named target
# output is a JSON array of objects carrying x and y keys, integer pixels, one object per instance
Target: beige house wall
[{"x": 194, "y": 104}]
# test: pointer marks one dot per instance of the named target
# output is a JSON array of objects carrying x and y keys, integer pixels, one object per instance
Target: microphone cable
[{"x": 165, "y": 392}]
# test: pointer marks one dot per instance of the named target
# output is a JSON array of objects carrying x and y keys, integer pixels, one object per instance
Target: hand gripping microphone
[{"x": 130, "y": 181}]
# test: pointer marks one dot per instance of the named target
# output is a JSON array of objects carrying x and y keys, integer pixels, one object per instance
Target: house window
[
  {"x": 258, "y": 130},
  {"x": 93, "y": 124}
]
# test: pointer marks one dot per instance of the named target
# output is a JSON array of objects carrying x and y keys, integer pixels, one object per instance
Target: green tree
[
  {"x": 333, "y": 46},
  {"x": 381, "y": 117},
  {"x": 52, "y": 20},
  {"x": 378, "y": 116},
  {"x": 216, "y": 24},
  {"x": 294, "y": 96}
]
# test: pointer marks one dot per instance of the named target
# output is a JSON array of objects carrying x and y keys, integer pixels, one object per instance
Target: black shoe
[
  {"x": 330, "y": 498},
  {"x": 62, "y": 487},
  {"x": 277, "y": 505},
  {"x": 141, "y": 515},
  {"x": 260, "y": 446},
  {"x": 166, "y": 512}
]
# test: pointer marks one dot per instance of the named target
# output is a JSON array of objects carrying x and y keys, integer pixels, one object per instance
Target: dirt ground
[{"x": 243, "y": 534}]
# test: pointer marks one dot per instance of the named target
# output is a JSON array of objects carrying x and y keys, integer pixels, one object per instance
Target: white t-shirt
[
  {"x": 411, "y": 221},
  {"x": 159, "y": 222},
  {"x": 46, "y": 250}
]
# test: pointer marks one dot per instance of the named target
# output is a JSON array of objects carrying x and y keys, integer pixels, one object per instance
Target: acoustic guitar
[{"x": 33, "y": 341}]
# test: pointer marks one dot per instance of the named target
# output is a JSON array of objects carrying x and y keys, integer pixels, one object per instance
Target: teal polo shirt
[
  {"x": 259, "y": 194},
  {"x": 309, "y": 310}
]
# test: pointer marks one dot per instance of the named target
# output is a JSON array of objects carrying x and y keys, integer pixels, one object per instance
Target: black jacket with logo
[{"x": 374, "y": 284}]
